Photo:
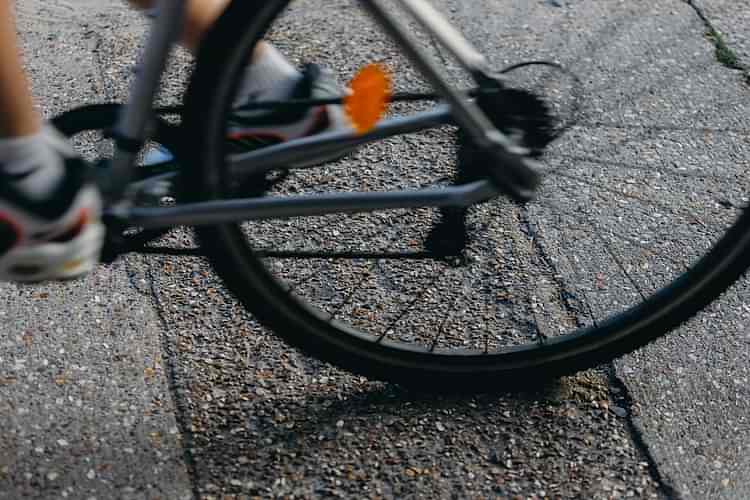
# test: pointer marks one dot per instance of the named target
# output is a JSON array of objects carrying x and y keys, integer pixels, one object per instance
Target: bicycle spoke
[
  {"x": 166, "y": 251},
  {"x": 349, "y": 297},
  {"x": 612, "y": 254},
  {"x": 619, "y": 263},
  {"x": 347, "y": 255},
  {"x": 439, "y": 332},
  {"x": 688, "y": 174},
  {"x": 593, "y": 231},
  {"x": 632, "y": 196},
  {"x": 564, "y": 287},
  {"x": 585, "y": 302},
  {"x": 406, "y": 309},
  {"x": 292, "y": 288},
  {"x": 529, "y": 305},
  {"x": 514, "y": 305},
  {"x": 663, "y": 128}
]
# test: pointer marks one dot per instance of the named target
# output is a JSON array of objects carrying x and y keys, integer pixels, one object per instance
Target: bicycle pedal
[{"x": 157, "y": 155}]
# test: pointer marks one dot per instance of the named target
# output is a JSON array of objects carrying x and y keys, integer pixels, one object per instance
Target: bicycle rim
[{"x": 626, "y": 239}]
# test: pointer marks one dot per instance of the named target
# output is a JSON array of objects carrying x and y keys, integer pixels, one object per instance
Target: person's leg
[
  {"x": 269, "y": 76},
  {"x": 49, "y": 213},
  {"x": 199, "y": 17},
  {"x": 18, "y": 117}
]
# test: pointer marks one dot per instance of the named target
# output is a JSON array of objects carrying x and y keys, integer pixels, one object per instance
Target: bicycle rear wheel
[{"x": 632, "y": 232}]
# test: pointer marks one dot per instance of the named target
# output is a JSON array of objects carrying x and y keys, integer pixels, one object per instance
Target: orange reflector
[{"x": 370, "y": 92}]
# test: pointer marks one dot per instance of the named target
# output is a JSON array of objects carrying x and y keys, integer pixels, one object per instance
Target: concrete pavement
[{"x": 148, "y": 380}]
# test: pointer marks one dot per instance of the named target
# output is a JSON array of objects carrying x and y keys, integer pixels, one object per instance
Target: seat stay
[
  {"x": 509, "y": 171},
  {"x": 131, "y": 130}
]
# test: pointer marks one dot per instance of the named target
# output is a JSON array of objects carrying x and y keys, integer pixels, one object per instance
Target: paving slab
[
  {"x": 84, "y": 387},
  {"x": 188, "y": 384},
  {"x": 732, "y": 21}
]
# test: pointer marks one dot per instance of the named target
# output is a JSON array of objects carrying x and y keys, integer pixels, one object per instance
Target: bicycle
[{"x": 502, "y": 128}]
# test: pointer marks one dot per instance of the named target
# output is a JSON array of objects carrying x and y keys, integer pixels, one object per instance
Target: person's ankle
[
  {"x": 269, "y": 77},
  {"x": 35, "y": 163},
  {"x": 17, "y": 127}
]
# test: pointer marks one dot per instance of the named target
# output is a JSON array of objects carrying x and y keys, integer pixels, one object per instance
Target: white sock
[
  {"x": 270, "y": 78},
  {"x": 36, "y": 163}
]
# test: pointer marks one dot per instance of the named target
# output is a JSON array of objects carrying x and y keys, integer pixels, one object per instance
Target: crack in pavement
[
  {"x": 620, "y": 393},
  {"x": 619, "y": 390},
  {"x": 724, "y": 54},
  {"x": 181, "y": 412}
]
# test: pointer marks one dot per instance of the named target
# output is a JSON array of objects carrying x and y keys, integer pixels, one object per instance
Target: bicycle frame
[{"x": 132, "y": 131}]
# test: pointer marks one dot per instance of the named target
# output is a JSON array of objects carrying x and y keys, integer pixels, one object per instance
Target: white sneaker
[{"x": 57, "y": 238}]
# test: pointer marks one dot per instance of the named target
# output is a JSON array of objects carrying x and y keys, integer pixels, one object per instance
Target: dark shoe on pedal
[
  {"x": 251, "y": 129},
  {"x": 55, "y": 237}
]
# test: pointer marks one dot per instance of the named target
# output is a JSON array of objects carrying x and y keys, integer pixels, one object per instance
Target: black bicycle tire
[{"x": 246, "y": 276}]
